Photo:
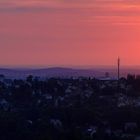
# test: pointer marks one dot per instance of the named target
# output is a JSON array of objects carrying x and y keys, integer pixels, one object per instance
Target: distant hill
[
  {"x": 49, "y": 72},
  {"x": 65, "y": 72}
]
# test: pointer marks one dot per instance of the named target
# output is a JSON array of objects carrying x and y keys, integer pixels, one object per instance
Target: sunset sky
[{"x": 69, "y": 32}]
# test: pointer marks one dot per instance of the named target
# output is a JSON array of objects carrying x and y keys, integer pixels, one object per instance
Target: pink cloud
[{"x": 68, "y": 32}]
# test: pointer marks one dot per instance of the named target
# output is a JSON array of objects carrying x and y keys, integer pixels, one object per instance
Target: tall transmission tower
[{"x": 118, "y": 62}]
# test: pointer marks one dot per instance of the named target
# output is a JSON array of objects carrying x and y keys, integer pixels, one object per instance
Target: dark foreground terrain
[{"x": 70, "y": 109}]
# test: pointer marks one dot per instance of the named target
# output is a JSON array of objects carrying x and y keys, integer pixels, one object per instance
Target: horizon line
[{"x": 65, "y": 66}]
